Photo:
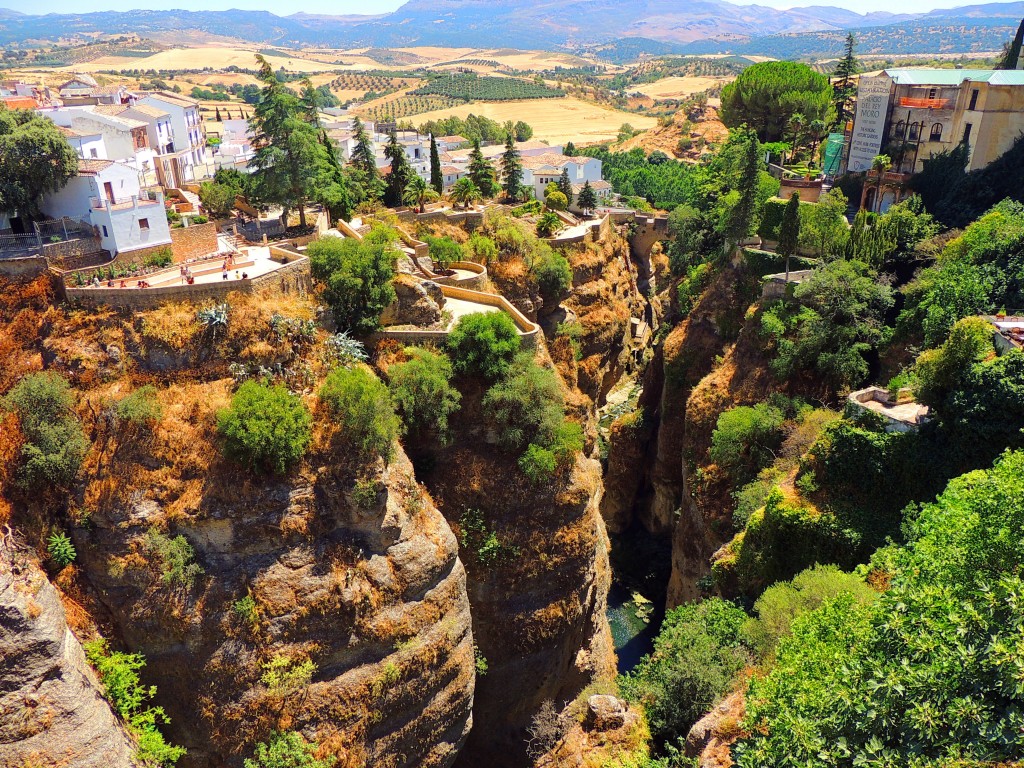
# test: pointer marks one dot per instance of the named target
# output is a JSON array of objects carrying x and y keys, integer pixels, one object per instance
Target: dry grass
[
  {"x": 552, "y": 120},
  {"x": 678, "y": 87},
  {"x": 173, "y": 324},
  {"x": 196, "y": 58}
]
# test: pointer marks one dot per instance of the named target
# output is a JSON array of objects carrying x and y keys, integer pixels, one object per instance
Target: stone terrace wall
[
  {"x": 196, "y": 240},
  {"x": 290, "y": 278},
  {"x": 29, "y": 266},
  {"x": 476, "y": 283}
]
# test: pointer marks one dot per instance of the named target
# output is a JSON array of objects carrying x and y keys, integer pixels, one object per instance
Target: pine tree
[
  {"x": 569, "y": 150},
  {"x": 789, "y": 230},
  {"x": 436, "y": 176},
  {"x": 843, "y": 87},
  {"x": 481, "y": 171},
  {"x": 1011, "y": 53},
  {"x": 310, "y": 103},
  {"x": 217, "y": 115},
  {"x": 365, "y": 160},
  {"x": 511, "y": 169},
  {"x": 565, "y": 185},
  {"x": 588, "y": 198},
  {"x": 401, "y": 173}
]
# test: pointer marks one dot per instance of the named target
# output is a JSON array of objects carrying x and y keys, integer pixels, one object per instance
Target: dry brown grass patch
[{"x": 173, "y": 324}]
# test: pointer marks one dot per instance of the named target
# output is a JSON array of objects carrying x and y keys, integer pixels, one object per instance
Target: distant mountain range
[{"x": 547, "y": 24}]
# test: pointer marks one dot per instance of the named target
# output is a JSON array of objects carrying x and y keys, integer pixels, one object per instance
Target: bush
[
  {"x": 697, "y": 656},
  {"x": 443, "y": 250},
  {"x": 176, "y": 556},
  {"x": 556, "y": 201},
  {"x": 265, "y": 428},
  {"x": 247, "y": 611},
  {"x": 287, "y": 750},
  {"x": 284, "y": 675},
  {"x": 361, "y": 405},
  {"x": 357, "y": 277},
  {"x": 423, "y": 391},
  {"x": 60, "y": 549},
  {"x": 525, "y": 407},
  {"x": 119, "y": 674},
  {"x": 55, "y": 443},
  {"x": 161, "y": 258},
  {"x": 783, "y": 603},
  {"x": 484, "y": 344},
  {"x": 538, "y": 464},
  {"x": 746, "y": 438},
  {"x": 139, "y": 408},
  {"x": 482, "y": 249},
  {"x": 553, "y": 274},
  {"x": 548, "y": 224}
]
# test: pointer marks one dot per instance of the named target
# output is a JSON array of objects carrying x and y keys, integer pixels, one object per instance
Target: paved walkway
[
  {"x": 253, "y": 262},
  {"x": 460, "y": 308}
]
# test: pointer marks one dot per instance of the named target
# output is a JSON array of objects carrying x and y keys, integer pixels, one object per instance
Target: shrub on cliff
[
  {"x": 55, "y": 443},
  {"x": 484, "y": 344},
  {"x": 356, "y": 276},
  {"x": 552, "y": 272},
  {"x": 287, "y": 749},
  {"x": 526, "y": 406},
  {"x": 746, "y": 438},
  {"x": 361, "y": 405},
  {"x": 265, "y": 428},
  {"x": 422, "y": 389}
]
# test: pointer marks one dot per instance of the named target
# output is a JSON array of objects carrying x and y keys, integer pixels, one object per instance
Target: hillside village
[{"x": 333, "y": 442}]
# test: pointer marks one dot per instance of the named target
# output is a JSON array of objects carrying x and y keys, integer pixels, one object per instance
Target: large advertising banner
[{"x": 869, "y": 124}]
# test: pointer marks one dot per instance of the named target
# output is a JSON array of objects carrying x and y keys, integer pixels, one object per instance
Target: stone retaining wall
[
  {"x": 291, "y": 278},
  {"x": 193, "y": 241},
  {"x": 476, "y": 283},
  {"x": 26, "y": 267}
]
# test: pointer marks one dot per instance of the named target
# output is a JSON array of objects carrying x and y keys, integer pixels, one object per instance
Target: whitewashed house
[
  {"x": 87, "y": 144},
  {"x": 108, "y": 194},
  {"x": 541, "y": 170},
  {"x": 187, "y": 148}
]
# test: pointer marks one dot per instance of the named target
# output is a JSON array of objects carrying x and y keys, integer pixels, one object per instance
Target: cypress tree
[
  {"x": 565, "y": 185},
  {"x": 1011, "y": 53},
  {"x": 217, "y": 115},
  {"x": 511, "y": 168},
  {"x": 401, "y": 172},
  {"x": 843, "y": 87},
  {"x": 789, "y": 230},
  {"x": 436, "y": 177},
  {"x": 481, "y": 171},
  {"x": 740, "y": 219}
]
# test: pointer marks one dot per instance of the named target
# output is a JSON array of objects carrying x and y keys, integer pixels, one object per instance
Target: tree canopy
[
  {"x": 357, "y": 277},
  {"x": 35, "y": 159},
  {"x": 766, "y": 95}
]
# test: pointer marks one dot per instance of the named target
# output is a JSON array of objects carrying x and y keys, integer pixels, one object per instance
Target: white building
[
  {"x": 187, "y": 148},
  {"x": 78, "y": 87},
  {"x": 451, "y": 174},
  {"x": 108, "y": 195},
  {"x": 87, "y": 144},
  {"x": 125, "y": 139},
  {"x": 541, "y": 170}
]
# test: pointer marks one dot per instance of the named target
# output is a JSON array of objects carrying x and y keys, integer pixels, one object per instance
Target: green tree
[
  {"x": 436, "y": 176},
  {"x": 55, "y": 443},
  {"x": 526, "y": 405},
  {"x": 422, "y": 389},
  {"x": 556, "y": 201},
  {"x": 553, "y": 274},
  {"x": 1011, "y": 51},
  {"x": 745, "y": 440},
  {"x": 697, "y": 655},
  {"x": 484, "y": 344},
  {"x": 341, "y": 188},
  {"x": 588, "y": 198},
  {"x": 401, "y": 172},
  {"x": 880, "y": 165},
  {"x": 265, "y": 427},
  {"x": 548, "y": 224},
  {"x": 570, "y": 149},
  {"x": 481, "y": 172},
  {"x": 357, "y": 277},
  {"x": 824, "y": 225},
  {"x": 766, "y": 95},
  {"x": 523, "y": 132},
  {"x": 464, "y": 191},
  {"x": 844, "y": 86},
  {"x": 741, "y": 213},
  {"x": 35, "y": 160},
  {"x": 218, "y": 199},
  {"x": 789, "y": 231},
  {"x": 443, "y": 250},
  {"x": 938, "y": 372},
  {"x": 511, "y": 169},
  {"x": 290, "y": 163},
  {"x": 418, "y": 193},
  {"x": 361, "y": 405},
  {"x": 287, "y": 750},
  {"x": 565, "y": 185},
  {"x": 365, "y": 160}
]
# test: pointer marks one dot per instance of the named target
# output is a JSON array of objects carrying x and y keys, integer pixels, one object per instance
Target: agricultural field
[
  {"x": 198, "y": 58},
  {"x": 678, "y": 87},
  {"x": 474, "y": 88},
  {"x": 404, "y": 105},
  {"x": 552, "y": 120}
]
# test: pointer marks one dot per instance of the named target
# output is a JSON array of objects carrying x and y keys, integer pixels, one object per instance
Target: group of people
[{"x": 187, "y": 277}]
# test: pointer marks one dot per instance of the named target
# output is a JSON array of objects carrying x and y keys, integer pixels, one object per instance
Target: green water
[{"x": 633, "y": 637}]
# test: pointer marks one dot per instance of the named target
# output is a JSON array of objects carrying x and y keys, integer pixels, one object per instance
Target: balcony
[
  {"x": 889, "y": 177},
  {"x": 144, "y": 198},
  {"x": 912, "y": 103}
]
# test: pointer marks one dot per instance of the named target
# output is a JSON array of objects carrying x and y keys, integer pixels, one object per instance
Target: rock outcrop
[
  {"x": 417, "y": 302},
  {"x": 51, "y": 710}
]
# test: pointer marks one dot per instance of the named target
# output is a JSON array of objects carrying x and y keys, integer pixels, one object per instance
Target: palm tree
[
  {"x": 816, "y": 131},
  {"x": 796, "y": 126},
  {"x": 465, "y": 191},
  {"x": 418, "y": 192},
  {"x": 880, "y": 165}
]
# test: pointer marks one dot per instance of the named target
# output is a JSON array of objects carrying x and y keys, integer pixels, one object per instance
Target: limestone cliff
[{"x": 51, "y": 710}]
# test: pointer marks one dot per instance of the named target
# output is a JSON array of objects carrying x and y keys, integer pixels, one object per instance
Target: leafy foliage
[
  {"x": 361, "y": 405},
  {"x": 35, "y": 159},
  {"x": 176, "y": 558},
  {"x": 471, "y": 87},
  {"x": 746, "y": 438},
  {"x": 55, "y": 443},
  {"x": 927, "y": 673},
  {"x": 60, "y": 549},
  {"x": 423, "y": 392},
  {"x": 357, "y": 277},
  {"x": 484, "y": 344},
  {"x": 526, "y": 406},
  {"x": 141, "y": 407},
  {"x": 287, "y": 749},
  {"x": 119, "y": 673},
  {"x": 443, "y": 250},
  {"x": 766, "y": 95},
  {"x": 265, "y": 428}
]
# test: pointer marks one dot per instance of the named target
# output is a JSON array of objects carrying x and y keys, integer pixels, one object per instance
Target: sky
[{"x": 338, "y": 7}]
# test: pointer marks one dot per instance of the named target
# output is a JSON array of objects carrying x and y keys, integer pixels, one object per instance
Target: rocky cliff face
[
  {"x": 364, "y": 584},
  {"x": 51, "y": 709}
]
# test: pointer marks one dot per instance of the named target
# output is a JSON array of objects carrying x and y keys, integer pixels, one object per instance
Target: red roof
[{"x": 20, "y": 102}]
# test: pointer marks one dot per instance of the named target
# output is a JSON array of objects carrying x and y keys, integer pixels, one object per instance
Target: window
[
  {"x": 105, "y": 230},
  {"x": 93, "y": 153},
  {"x": 915, "y": 130},
  {"x": 901, "y": 129},
  {"x": 143, "y": 223},
  {"x": 936, "y": 132},
  {"x": 967, "y": 132},
  {"x": 933, "y": 92},
  {"x": 974, "y": 100}
]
